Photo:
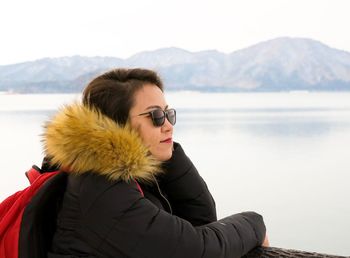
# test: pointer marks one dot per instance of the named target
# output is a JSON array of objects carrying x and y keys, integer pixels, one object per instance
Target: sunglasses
[{"x": 158, "y": 116}]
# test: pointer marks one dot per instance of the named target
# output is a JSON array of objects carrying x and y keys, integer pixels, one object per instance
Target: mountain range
[{"x": 281, "y": 64}]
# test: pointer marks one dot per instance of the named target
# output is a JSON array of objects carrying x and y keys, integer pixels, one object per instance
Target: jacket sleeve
[
  {"x": 143, "y": 230},
  {"x": 186, "y": 190}
]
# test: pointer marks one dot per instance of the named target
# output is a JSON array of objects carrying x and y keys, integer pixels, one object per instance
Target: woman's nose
[{"x": 167, "y": 126}]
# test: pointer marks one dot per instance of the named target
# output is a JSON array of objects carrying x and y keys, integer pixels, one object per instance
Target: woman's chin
[{"x": 163, "y": 155}]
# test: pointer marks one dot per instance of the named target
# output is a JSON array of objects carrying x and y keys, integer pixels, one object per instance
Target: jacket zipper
[{"x": 163, "y": 197}]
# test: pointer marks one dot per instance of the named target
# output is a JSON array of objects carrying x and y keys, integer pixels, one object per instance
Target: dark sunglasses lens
[
  {"x": 158, "y": 117},
  {"x": 171, "y": 115}
]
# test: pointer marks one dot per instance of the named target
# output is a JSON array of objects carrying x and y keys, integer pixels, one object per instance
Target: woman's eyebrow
[{"x": 156, "y": 107}]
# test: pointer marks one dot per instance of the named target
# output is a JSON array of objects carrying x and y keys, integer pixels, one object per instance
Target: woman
[{"x": 132, "y": 191}]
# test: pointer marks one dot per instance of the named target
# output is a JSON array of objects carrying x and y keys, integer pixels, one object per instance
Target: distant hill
[{"x": 281, "y": 64}]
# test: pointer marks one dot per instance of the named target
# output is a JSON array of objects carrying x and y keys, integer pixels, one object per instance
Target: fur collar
[{"x": 84, "y": 140}]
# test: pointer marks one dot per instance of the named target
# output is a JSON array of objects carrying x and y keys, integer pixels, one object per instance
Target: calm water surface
[{"x": 284, "y": 155}]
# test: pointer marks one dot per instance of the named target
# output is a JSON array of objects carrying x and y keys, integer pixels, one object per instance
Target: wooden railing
[{"x": 273, "y": 252}]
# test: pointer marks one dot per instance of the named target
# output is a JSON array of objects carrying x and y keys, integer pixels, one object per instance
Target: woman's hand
[{"x": 266, "y": 242}]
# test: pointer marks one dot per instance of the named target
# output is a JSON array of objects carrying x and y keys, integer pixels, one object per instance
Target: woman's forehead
[{"x": 149, "y": 96}]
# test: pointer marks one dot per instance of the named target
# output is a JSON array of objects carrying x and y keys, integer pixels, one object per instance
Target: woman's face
[{"x": 157, "y": 139}]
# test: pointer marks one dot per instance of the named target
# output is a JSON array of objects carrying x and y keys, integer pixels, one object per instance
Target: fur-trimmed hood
[{"x": 84, "y": 140}]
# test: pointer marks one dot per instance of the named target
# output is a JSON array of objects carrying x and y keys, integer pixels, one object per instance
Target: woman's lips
[{"x": 169, "y": 140}]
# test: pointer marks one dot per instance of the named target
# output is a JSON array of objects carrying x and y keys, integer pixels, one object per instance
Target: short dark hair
[{"x": 112, "y": 93}]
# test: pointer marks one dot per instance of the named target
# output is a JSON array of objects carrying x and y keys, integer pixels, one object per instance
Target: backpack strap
[
  {"x": 33, "y": 173},
  {"x": 39, "y": 217},
  {"x": 139, "y": 188}
]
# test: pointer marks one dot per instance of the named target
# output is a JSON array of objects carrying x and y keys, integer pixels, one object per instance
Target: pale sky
[{"x": 120, "y": 28}]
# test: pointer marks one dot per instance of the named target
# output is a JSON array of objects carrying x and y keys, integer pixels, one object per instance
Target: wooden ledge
[{"x": 267, "y": 252}]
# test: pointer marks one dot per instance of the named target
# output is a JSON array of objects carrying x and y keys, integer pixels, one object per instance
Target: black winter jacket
[{"x": 120, "y": 202}]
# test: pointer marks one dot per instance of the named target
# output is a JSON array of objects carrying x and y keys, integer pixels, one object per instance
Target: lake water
[{"x": 284, "y": 155}]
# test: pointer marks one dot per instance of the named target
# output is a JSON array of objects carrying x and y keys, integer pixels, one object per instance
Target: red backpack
[{"x": 28, "y": 217}]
